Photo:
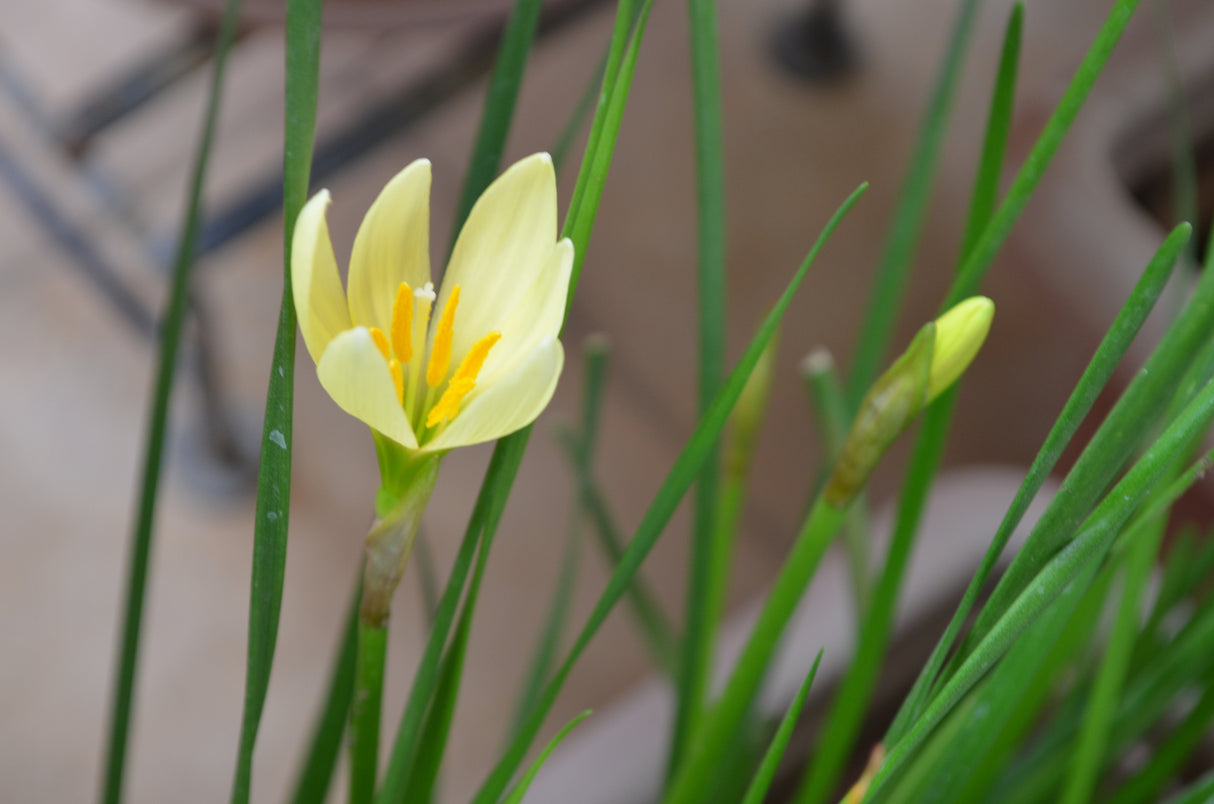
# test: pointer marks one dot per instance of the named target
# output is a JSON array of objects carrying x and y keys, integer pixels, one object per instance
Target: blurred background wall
[{"x": 100, "y": 105}]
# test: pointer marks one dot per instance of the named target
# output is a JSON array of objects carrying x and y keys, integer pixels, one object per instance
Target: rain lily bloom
[{"x": 431, "y": 371}]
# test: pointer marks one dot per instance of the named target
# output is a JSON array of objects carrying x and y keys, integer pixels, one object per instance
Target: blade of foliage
[
  {"x": 696, "y": 658},
  {"x": 831, "y": 412},
  {"x": 654, "y": 628},
  {"x": 1139, "y": 408},
  {"x": 837, "y": 737},
  {"x": 312, "y": 786},
  {"x": 1091, "y": 545},
  {"x": 600, "y": 147},
  {"x": 985, "y": 193},
  {"x": 1095, "y": 376},
  {"x": 1010, "y": 700},
  {"x": 596, "y": 353},
  {"x": 626, "y": 13},
  {"x": 503, "y": 466},
  {"x": 437, "y": 727},
  {"x": 852, "y": 700},
  {"x": 564, "y": 140},
  {"x": 1148, "y": 783},
  {"x": 983, "y": 253},
  {"x": 498, "y": 112},
  {"x": 1149, "y": 697},
  {"x": 889, "y": 285},
  {"x": 1200, "y": 792},
  {"x": 520, "y": 790},
  {"x": 771, "y": 760},
  {"x": 274, "y": 471},
  {"x": 171, "y": 327},
  {"x": 677, "y": 481},
  {"x": 715, "y": 737}
]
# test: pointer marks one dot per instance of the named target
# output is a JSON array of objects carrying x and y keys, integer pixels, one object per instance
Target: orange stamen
[
  {"x": 440, "y": 352},
  {"x": 402, "y": 323}
]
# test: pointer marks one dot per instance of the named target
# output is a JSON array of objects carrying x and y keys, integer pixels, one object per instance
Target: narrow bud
[
  {"x": 936, "y": 358},
  {"x": 959, "y": 335}
]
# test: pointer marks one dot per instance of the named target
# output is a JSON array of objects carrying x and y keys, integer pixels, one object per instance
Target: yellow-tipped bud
[
  {"x": 959, "y": 335},
  {"x": 935, "y": 359}
]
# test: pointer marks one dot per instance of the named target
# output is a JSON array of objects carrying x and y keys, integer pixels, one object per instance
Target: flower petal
[
  {"x": 355, "y": 374},
  {"x": 503, "y": 246},
  {"x": 509, "y": 404},
  {"x": 537, "y": 316},
  {"x": 320, "y": 303},
  {"x": 392, "y": 246}
]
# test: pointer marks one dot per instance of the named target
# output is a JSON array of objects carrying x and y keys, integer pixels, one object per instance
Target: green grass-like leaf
[
  {"x": 697, "y": 644},
  {"x": 312, "y": 786},
  {"x": 596, "y": 353},
  {"x": 889, "y": 285},
  {"x": 1091, "y": 545},
  {"x": 763, "y": 777},
  {"x": 520, "y": 790},
  {"x": 274, "y": 472},
  {"x": 498, "y": 112},
  {"x": 123, "y": 694},
  {"x": 1095, "y": 376},
  {"x": 676, "y": 484}
]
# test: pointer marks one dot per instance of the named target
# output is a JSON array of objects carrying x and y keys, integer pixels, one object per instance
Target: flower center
[{"x": 410, "y": 319}]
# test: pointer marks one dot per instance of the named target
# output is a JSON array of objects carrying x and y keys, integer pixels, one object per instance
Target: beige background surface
[{"x": 74, "y": 379}]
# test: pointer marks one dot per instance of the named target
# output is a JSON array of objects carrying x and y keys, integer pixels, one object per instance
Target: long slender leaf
[
  {"x": 763, "y": 777},
  {"x": 1095, "y": 376},
  {"x": 498, "y": 112},
  {"x": 516, "y": 795},
  {"x": 1030, "y": 173},
  {"x": 658, "y": 635},
  {"x": 1093, "y": 542},
  {"x": 508, "y": 453},
  {"x": 595, "y": 352},
  {"x": 697, "y": 644},
  {"x": 851, "y": 702},
  {"x": 1148, "y": 783},
  {"x": 1139, "y": 407},
  {"x": 138, "y": 561},
  {"x": 274, "y": 472},
  {"x": 678, "y": 480},
  {"x": 889, "y": 284},
  {"x": 312, "y": 786},
  {"x": 1200, "y": 792},
  {"x": 1102, "y": 703}
]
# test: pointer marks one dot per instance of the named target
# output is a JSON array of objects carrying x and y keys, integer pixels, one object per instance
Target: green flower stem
[
  {"x": 400, "y": 505},
  {"x": 707, "y": 750},
  {"x": 365, "y": 712},
  {"x": 830, "y": 407}
]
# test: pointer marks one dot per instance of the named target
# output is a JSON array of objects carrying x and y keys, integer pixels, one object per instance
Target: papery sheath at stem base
[{"x": 390, "y": 539}]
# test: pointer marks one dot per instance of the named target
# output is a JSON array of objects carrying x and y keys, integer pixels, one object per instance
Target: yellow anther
[
  {"x": 398, "y": 379},
  {"x": 381, "y": 342},
  {"x": 463, "y": 381},
  {"x": 440, "y": 352},
  {"x": 448, "y": 404},
  {"x": 402, "y": 323},
  {"x": 470, "y": 366}
]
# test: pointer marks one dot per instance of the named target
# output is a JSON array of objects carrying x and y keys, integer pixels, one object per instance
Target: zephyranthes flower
[{"x": 430, "y": 371}]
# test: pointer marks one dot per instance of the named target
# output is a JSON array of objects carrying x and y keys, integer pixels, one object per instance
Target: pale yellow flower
[{"x": 476, "y": 361}]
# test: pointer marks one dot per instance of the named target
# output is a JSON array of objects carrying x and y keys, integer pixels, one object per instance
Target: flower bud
[{"x": 935, "y": 359}]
